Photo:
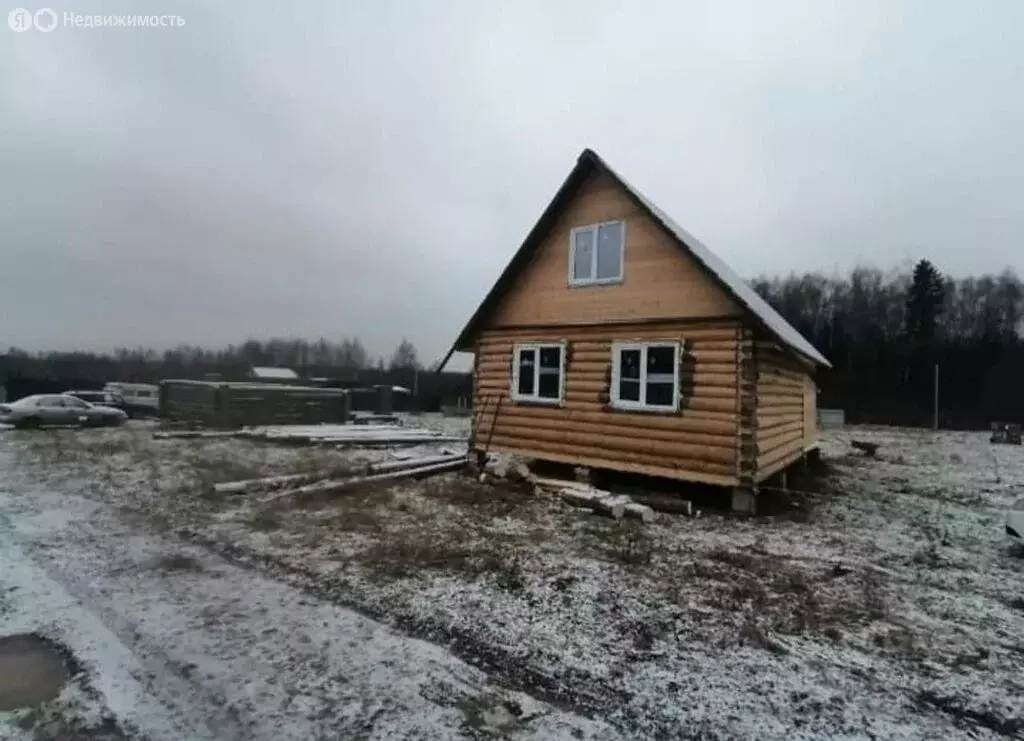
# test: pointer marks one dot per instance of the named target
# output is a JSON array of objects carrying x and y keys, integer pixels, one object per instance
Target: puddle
[{"x": 32, "y": 671}]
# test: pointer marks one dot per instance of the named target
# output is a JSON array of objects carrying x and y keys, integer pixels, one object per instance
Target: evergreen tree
[{"x": 926, "y": 298}]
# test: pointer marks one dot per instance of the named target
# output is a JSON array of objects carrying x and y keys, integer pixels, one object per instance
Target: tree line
[
  {"x": 885, "y": 333},
  {"x": 189, "y": 360},
  {"x": 343, "y": 362}
]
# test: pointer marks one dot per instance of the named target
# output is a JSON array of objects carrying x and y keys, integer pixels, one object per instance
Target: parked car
[
  {"x": 140, "y": 399},
  {"x": 103, "y": 398},
  {"x": 58, "y": 409}
]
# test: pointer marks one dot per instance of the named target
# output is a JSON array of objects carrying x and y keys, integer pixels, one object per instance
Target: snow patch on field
[
  {"x": 181, "y": 644},
  {"x": 889, "y": 607}
]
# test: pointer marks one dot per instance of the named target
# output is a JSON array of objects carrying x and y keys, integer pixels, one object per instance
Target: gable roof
[{"x": 589, "y": 163}]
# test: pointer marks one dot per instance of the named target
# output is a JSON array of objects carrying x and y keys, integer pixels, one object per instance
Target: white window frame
[
  {"x": 642, "y": 346},
  {"x": 534, "y": 398},
  {"x": 594, "y": 281}
]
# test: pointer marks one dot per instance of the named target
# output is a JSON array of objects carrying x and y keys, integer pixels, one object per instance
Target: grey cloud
[{"x": 368, "y": 168}]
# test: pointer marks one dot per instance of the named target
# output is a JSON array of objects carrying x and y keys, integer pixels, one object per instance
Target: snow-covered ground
[
  {"x": 177, "y": 643},
  {"x": 889, "y": 605}
]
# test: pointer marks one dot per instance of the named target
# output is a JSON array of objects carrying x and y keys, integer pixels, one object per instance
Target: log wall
[
  {"x": 697, "y": 443},
  {"x": 781, "y": 404}
]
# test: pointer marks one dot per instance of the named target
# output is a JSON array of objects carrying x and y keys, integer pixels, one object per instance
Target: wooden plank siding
[
  {"x": 781, "y": 404},
  {"x": 698, "y": 443},
  {"x": 660, "y": 281}
]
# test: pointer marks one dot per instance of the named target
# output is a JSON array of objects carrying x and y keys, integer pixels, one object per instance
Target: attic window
[
  {"x": 645, "y": 376},
  {"x": 538, "y": 373},
  {"x": 596, "y": 253}
]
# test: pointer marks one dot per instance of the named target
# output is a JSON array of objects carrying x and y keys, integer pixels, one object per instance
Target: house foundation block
[{"x": 744, "y": 501}]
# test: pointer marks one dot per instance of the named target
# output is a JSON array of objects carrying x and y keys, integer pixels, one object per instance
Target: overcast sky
[{"x": 367, "y": 168}]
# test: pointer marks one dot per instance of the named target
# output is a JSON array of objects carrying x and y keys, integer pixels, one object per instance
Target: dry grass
[
  {"x": 208, "y": 470},
  {"x": 406, "y": 557},
  {"x": 370, "y": 508},
  {"x": 409, "y": 556},
  {"x": 772, "y": 595},
  {"x": 399, "y": 529},
  {"x": 628, "y": 543},
  {"x": 110, "y": 446},
  {"x": 498, "y": 499},
  {"x": 178, "y": 562},
  {"x": 265, "y": 521}
]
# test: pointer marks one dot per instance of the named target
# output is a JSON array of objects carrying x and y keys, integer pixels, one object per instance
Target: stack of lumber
[
  {"x": 369, "y": 418},
  {"x": 233, "y": 405},
  {"x": 359, "y": 435}
]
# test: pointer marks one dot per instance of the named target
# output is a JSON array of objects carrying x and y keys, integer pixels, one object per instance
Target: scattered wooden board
[
  {"x": 664, "y": 503},
  {"x": 191, "y": 434},
  {"x": 369, "y": 435},
  {"x": 273, "y": 482},
  {"x": 594, "y": 501},
  {"x": 330, "y": 486}
]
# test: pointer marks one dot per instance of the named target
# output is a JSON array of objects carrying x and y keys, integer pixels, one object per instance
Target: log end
[{"x": 616, "y": 510}]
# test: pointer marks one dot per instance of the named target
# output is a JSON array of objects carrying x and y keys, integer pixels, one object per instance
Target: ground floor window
[
  {"x": 538, "y": 372},
  {"x": 645, "y": 375}
]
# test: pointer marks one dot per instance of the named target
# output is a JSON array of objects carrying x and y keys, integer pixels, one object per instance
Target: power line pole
[{"x": 935, "y": 410}]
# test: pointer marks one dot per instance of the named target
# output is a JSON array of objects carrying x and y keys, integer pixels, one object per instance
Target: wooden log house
[{"x": 614, "y": 339}]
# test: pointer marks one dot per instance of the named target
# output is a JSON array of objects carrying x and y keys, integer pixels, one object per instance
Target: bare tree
[{"x": 405, "y": 356}]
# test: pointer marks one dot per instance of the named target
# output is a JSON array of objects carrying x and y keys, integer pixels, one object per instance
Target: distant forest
[
  {"x": 883, "y": 332},
  {"x": 321, "y": 357}
]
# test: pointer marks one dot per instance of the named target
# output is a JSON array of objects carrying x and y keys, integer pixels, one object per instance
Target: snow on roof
[{"x": 271, "y": 372}]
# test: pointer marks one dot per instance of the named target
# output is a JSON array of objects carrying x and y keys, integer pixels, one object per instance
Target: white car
[{"x": 58, "y": 409}]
